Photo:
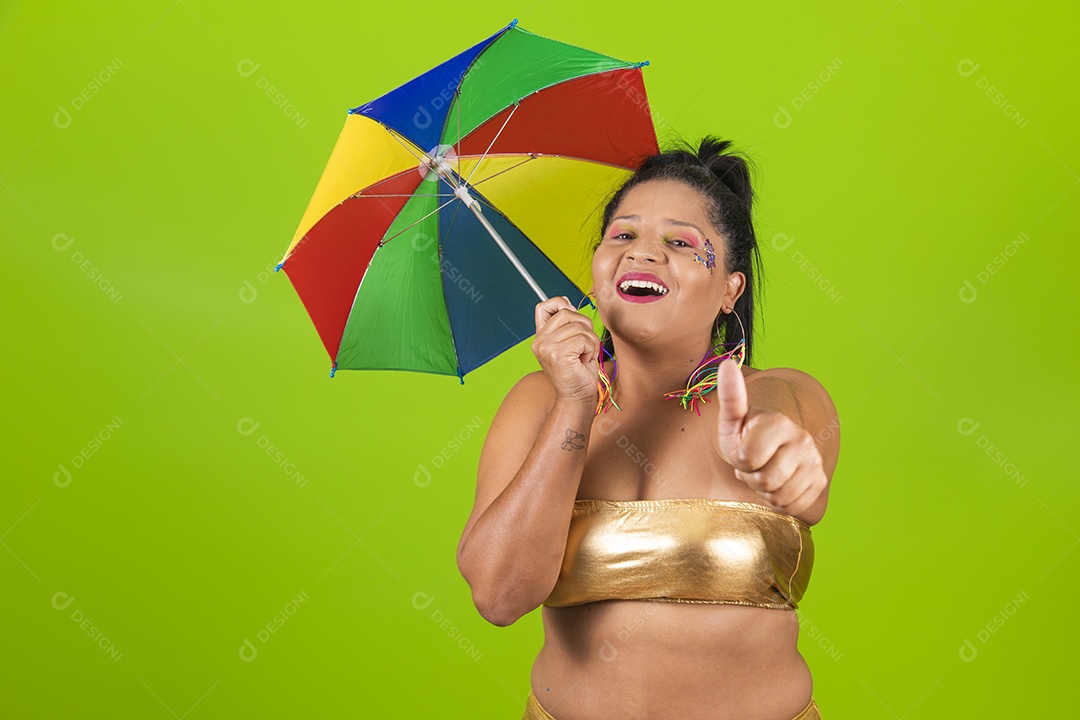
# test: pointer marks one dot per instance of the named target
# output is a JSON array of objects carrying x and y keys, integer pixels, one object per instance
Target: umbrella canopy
[{"x": 515, "y": 142}]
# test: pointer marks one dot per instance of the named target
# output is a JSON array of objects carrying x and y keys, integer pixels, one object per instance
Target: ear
[{"x": 736, "y": 283}]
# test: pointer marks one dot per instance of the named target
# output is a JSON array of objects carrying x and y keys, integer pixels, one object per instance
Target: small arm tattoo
[{"x": 574, "y": 440}]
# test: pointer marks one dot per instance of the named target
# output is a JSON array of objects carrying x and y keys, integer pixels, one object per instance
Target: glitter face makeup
[{"x": 709, "y": 260}]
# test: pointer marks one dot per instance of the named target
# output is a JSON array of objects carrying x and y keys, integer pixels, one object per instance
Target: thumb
[{"x": 731, "y": 391}]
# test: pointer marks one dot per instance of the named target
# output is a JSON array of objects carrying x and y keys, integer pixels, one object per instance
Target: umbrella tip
[
  {"x": 279, "y": 266},
  {"x": 333, "y": 369},
  {"x": 642, "y": 64},
  {"x": 460, "y": 376},
  {"x": 513, "y": 23}
]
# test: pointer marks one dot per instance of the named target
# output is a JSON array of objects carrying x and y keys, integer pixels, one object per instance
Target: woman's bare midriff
[{"x": 657, "y": 660}]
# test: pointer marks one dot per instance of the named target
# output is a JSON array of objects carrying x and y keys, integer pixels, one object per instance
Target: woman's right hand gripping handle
[
  {"x": 530, "y": 468},
  {"x": 566, "y": 347}
]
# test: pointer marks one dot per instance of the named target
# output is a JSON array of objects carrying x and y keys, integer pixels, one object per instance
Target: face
[{"x": 659, "y": 270}]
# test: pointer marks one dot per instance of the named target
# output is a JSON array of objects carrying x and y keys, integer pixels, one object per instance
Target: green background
[{"x": 917, "y": 236}]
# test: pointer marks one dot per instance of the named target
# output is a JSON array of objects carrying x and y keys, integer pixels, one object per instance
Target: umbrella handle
[{"x": 470, "y": 202}]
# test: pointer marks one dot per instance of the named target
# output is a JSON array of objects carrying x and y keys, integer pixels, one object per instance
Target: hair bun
[{"x": 730, "y": 168}]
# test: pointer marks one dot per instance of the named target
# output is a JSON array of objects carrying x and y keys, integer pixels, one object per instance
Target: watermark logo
[
  {"x": 968, "y": 67},
  {"x": 63, "y": 116},
  {"x": 62, "y": 476},
  {"x": 968, "y": 292},
  {"x": 422, "y": 601},
  {"x": 247, "y": 67},
  {"x": 815, "y": 635},
  {"x": 248, "y": 650},
  {"x": 247, "y": 426},
  {"x": 967, "y": 426},
  {"x": 783, "y": 116},
  {"x": 640, "y": 99},
  {"x": 781, "y": 242},
  {"x": 249, "y": 292},
  {"x": 452, "y": 276},
  {"x": 62, "y": 601},
  {"x": 606, "y": 426},
  {"x": 422, "y": 476},
  {"x": 609, "y": 651},
  {"x": 61, "y": 242},
  {"x": 423, "y": 118},
  {"x": 968, "y": 650}
]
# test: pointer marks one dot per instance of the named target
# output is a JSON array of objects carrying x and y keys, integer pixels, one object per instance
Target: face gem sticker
[{"x": 709, "y": 260}]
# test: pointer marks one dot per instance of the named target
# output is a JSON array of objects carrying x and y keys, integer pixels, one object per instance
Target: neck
[{"x": 647, "y": 372}]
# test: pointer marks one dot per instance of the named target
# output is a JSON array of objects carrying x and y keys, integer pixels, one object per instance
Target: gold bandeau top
[{"x": 684, "y": 550}]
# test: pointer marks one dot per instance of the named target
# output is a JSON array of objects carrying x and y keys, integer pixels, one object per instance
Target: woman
[{"x": 705, "y": 516}]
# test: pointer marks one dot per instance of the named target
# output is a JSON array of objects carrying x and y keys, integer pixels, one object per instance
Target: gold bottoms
[{"x": 534, "y": 711}]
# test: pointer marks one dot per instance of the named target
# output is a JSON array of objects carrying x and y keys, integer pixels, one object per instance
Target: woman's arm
[{"x": 530, "y": 467}]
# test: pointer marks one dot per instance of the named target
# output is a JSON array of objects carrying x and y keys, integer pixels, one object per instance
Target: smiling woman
[{"x": 708, "y": 521}]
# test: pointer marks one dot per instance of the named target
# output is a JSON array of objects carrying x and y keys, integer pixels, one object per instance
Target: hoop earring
[
  {"x": 703, "y": 380},
  {"x": 605, "y": 386}
]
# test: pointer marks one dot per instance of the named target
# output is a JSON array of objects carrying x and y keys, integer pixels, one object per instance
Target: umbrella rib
[
  {"x": 412, "y": 225},
  {"x": 361, "y": 194},
  {"x": 458, "y": 108},
  {"x": 490, "y": 145},
  {"x": 489, "y": 177},
  {"x": 404, "y": 145}
]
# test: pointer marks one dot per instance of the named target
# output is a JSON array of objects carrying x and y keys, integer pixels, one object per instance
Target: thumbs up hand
[{"x": 769, "y": 451}]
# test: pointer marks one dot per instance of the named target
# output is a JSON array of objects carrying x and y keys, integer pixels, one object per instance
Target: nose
[{"x": 646, "y": 248}]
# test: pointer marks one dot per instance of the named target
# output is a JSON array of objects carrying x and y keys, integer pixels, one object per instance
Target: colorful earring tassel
[
  {"x": 605, "y": 386},
  {"x": 703, "y": 380}
]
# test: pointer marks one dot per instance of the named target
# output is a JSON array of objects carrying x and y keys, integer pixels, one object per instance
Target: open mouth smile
[{"x": 639, "y": 287}]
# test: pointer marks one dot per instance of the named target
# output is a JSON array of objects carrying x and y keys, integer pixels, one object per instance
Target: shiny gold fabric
[
  {"x": 684, "y": 550},
  {"x": 535, "y": 711}
]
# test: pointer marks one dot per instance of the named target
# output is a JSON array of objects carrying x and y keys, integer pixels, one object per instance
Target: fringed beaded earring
[
  {"x": 703, "y": 379},
  {"x": 605, "y": 386}
]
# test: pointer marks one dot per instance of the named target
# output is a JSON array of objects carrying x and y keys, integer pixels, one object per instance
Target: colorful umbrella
[{"x": 451, "y": 204}]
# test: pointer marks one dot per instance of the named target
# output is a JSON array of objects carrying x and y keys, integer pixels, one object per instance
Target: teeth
[{"x": 643, "y": 284}]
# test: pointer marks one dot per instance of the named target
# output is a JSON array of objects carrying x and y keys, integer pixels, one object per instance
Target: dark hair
[{"x": 723, "y": 179}]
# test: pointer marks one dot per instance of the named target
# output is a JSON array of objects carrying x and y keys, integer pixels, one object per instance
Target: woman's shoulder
[
  {"x": 800, "y": 380},
  {"x": 534, "y": 391},
  {"x": 536, "y": 382},
  {"x": 748, "y": 371},
  {"x": 810, "y": 395}
]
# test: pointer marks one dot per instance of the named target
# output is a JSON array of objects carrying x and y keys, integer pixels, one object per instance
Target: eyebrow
[{"x": 669, "y": 221}]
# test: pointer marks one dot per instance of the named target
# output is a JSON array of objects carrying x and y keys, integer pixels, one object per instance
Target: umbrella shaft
[
  {"x": 475, "y": 207},
  {"x": 462, "y": 192}
]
